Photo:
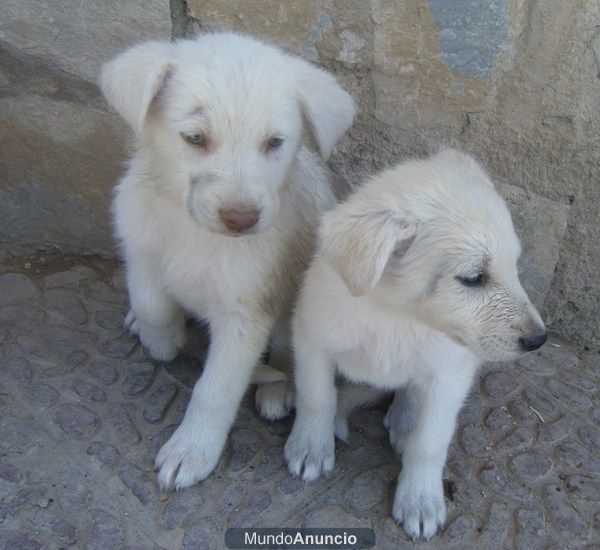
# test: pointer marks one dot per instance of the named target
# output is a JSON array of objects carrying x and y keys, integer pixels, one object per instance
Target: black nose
[{"x": 534, "y": 340}]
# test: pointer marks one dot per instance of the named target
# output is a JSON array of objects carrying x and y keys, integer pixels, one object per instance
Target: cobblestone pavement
[{"x": 83, "y": 413}]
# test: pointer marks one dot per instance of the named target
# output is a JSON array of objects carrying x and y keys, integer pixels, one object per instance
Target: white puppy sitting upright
[
  {"x": 217, "y": 213},
  {"x": 415, "y": 284}
]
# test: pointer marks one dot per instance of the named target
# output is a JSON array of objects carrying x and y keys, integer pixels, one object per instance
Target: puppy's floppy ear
[
  {"x": 328, "y": 107},
  {"x": 131, "y": 80},
  {"x": 359, "y": 244}
]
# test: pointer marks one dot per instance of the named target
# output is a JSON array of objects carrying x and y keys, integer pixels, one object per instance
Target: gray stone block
[{"x": 541, "y": 224}]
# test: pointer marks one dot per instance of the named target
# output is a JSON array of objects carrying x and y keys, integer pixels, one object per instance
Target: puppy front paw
[
  {"x": 188, "y": 457},
  {"x": 419, "y": 507},
  {"x": 131, "y": 324},
  {"x": 309, "y": 452},
  {"x": 274, "y": 400}
]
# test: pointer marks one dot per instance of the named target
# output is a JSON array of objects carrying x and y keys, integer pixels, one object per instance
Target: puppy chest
[
  {"x": 213, "y": 281},
  {"x": 377, "y": 365}
]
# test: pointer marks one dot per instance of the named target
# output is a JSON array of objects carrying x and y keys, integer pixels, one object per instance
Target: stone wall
[
  {"x": 60, "y": 148},
  {"x": 515, "y": 82}
]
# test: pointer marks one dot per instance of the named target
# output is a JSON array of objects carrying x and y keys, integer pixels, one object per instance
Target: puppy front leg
[
  {"x": 194, "y": 449},
  {"x": 419, "y": 501},
  {"x": 154, "y": 316},
  {"x": 310, "y": 448}
]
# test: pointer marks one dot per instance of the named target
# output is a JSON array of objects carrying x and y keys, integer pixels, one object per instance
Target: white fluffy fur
[
  {"x": 181, "y": 259},
  {"x": 383, "y": 306}
]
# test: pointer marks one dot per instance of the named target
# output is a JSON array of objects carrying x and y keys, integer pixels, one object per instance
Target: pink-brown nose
[{"x": 239, "y": 221}]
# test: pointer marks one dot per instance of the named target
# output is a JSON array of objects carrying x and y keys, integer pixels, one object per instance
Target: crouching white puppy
[
  {"x": 216, "y": 213},
  {"x": 414, "y": 285}
]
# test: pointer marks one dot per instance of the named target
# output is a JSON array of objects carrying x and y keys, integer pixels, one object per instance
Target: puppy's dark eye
[
  {"x": 472, "y": 280},
  {"x": 274, "y": 143},
  {"x": 195, "y": 139}
]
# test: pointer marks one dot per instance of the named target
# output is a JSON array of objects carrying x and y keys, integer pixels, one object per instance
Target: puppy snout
[
  {"x": 534, "y": 340},
  {"x": 239, "y": 221}
]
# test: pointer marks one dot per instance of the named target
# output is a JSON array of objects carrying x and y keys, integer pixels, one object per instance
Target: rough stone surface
[
  {"x": 50, "y": 57},
  {"x": 79, "y": 430},
  {"x": 541, "y": 224},
  {"x": 16, "y": 288},
  {"x": 515, "y": 83},
  {"x": 58, "y": 30},
  {"x": 470, "y": 39}
]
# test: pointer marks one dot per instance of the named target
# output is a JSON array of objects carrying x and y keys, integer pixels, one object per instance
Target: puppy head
[
  {"x": 223, "y": 115},
  {"x": 433, "y": 239}
]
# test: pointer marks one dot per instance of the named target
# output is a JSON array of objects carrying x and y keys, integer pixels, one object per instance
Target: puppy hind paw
[
  {"x": 163, "y": 351},
  {"x": 399, "y": 426},
  {"x": 163, "y": 344},
  {"x": 341, "y": 428},
  {"x": 274, "y": 400}
]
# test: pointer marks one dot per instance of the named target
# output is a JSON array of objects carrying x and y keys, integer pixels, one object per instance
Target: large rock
[
  {"x": 540, "y": 223},
  {"x": 514, "y": 83},
  {"x": 57, "y": 166},
  {"x": 79, "y": 36},
  {"x": 61, "y": 149}
]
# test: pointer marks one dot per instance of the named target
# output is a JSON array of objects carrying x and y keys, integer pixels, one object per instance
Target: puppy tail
[{"x": 264, "y": 373}]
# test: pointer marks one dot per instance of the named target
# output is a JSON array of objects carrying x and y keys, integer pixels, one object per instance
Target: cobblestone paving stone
[{"x": 84, "y": 411}]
